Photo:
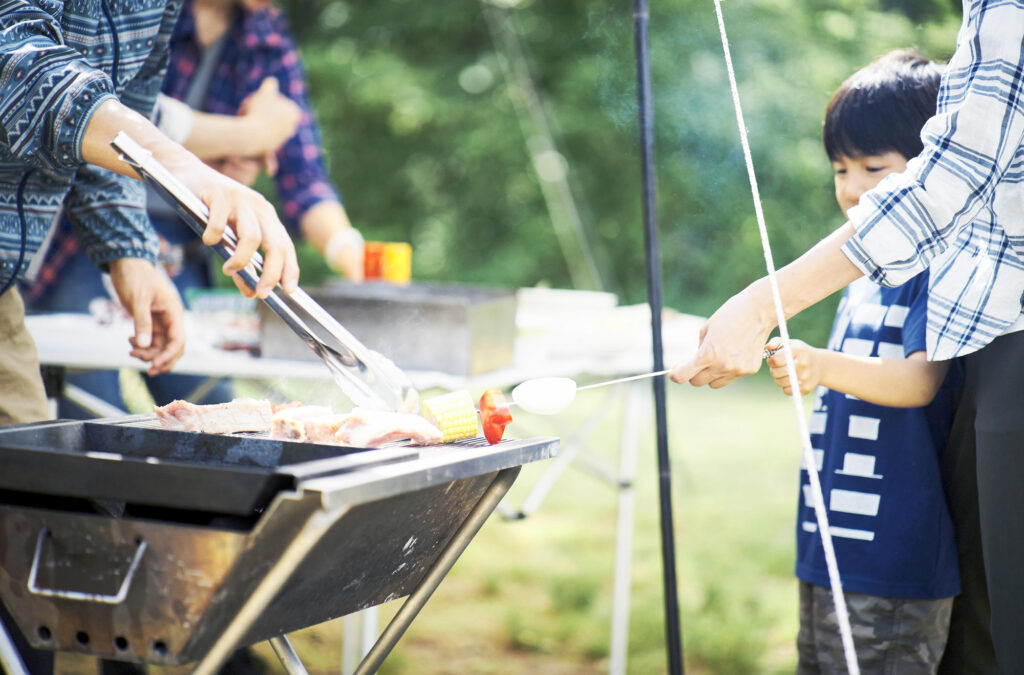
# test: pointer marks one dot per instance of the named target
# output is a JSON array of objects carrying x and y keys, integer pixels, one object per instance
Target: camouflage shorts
[{"x": 891, "y": 635}]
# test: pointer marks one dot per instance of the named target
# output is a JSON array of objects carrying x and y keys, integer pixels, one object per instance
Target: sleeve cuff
[
  {"x": 856, "y": 253},
  {"x": 296, "y": 208},
  {"x": 103, "y": 257},
  {"x": 174, "y": 118}
]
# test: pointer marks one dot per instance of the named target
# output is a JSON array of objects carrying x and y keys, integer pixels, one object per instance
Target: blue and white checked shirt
[{"x": 959, "y": 206}]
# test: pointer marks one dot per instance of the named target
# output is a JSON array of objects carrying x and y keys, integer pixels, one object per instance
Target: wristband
[
  {"x": 174, "y": 118},
  {"x": 346, "y": 236}
]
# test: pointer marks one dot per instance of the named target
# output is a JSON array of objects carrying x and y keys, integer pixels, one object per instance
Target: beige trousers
[{"x": 22, "y": 397}]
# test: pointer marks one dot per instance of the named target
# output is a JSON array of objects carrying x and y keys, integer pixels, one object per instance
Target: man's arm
[
  {"x": 733, "y": 339},
  {"x": 250, "y": 215},
  {"x": 267, "y": 119},
  {"x": 326, "y": 226},
  {"x": 897, "y": 383}
]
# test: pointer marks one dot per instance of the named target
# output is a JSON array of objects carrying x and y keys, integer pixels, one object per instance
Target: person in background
[
  {"x": 957, "y": 209},
  {"x": 882, "y": 414},
  {"x": 243, "y": 43},
  {"x": 234, "y": 94},
  {"x": 75, "y": 77}
]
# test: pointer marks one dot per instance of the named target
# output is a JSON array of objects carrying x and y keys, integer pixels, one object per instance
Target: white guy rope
[{"x": 805, "y": 437}]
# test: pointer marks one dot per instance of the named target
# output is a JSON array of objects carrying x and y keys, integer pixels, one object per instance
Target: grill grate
[{"x": 151, "y": 421}]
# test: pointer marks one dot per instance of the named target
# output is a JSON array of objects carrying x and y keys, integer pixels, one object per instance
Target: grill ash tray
[{"x": 226, "y": 474}]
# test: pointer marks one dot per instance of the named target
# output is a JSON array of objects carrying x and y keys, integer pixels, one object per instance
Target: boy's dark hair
[{"x": 882, "y": 107}]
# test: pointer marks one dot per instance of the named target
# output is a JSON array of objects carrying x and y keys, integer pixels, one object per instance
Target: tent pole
[{"x": 653, "y": 260}]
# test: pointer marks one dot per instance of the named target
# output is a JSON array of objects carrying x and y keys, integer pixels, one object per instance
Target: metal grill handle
[{"x": 82, "y": 596}]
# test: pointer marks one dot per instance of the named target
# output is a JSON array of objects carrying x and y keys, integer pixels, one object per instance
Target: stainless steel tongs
[{"x": 365, "y": 376}]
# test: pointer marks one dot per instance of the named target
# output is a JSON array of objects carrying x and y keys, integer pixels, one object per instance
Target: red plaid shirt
[{"x": 258, "y": 45}]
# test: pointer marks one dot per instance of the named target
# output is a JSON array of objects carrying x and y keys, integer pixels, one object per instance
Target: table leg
[
  {"x": 369, "y": 629},
  {"x": 359, "y": 633},
  {"x": 200, "y": 392},
  {"x": 633, "y": 413},
  {"x": 91, "y": 403},
  {"x": 569, "y": 453},
  {"x": 350, "y": 653}
]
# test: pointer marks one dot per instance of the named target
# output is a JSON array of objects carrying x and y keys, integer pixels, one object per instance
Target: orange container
[
  {"x": 387, "y": 261},
  {"x": 373, "y": 257}
]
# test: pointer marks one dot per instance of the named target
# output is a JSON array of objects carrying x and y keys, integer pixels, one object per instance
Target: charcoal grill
[{"x": 130, "y": 542}]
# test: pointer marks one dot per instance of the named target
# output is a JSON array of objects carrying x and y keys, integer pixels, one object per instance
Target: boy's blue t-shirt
[{"x": 879, "y": 466}]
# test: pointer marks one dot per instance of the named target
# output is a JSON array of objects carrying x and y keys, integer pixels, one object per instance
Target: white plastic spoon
[{"x": 552, "y": 395}]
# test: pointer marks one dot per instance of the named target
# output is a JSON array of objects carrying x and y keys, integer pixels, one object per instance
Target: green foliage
[{"x": 426, "y": 145}]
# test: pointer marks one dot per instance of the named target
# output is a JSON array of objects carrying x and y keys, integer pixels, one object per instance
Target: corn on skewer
[{"x": 453, "y": 413}]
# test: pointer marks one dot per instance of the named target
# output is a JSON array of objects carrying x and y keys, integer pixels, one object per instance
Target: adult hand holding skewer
[
  {"x": 733, "y": 339},
  {"x": 731, "y": 342}
]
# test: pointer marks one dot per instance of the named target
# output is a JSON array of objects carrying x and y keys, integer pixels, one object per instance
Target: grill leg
[
  {"x": 286, "y": 653},
  {"x": 296, "y": 551},
  {"x": 9, "y": 657},
  {"x": 432, "y": 579}
]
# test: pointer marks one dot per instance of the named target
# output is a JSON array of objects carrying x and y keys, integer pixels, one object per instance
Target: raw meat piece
[
  {"x": 241, "y": 414},
  {"x": 278, "y": 407},
  {"x": 364, "y": 428},
  {"x": 313, "y": 423}
]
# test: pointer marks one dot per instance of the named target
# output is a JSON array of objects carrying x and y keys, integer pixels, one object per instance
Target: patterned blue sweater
[{"x": 58, "y": 62}]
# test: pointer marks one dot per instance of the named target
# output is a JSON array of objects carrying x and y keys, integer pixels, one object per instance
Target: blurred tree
[{"x": 424, "y": 141}]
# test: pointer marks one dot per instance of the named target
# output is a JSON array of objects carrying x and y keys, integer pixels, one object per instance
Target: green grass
[{"x": 534, "y": 595}]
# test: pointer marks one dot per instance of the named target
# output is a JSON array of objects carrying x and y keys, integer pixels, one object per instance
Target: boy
[{"x": 882, "y": 414}]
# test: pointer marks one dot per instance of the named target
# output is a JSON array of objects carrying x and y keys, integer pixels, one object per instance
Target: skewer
[{"x": 625, "y": 379}]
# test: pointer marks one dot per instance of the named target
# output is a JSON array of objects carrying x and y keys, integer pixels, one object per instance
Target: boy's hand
[{"x": 807, "y": 362}]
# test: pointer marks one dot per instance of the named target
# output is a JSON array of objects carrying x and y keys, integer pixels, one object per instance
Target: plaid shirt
[
  {"x": 258, "y": 46},
  {"x": 959, "y": 206}
]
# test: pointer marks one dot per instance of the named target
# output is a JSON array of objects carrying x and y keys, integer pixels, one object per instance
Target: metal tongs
[{"x": 365, "y": 376}]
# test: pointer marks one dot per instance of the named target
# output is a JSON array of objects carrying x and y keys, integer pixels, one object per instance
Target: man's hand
[
  {"x": 154, "y": 304},
  {"x": 273, "y": 117},
  {"x": 731, "y": 343},
  {"x": 808, "y": 365},
  {"x": 255, "y": 224}
]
